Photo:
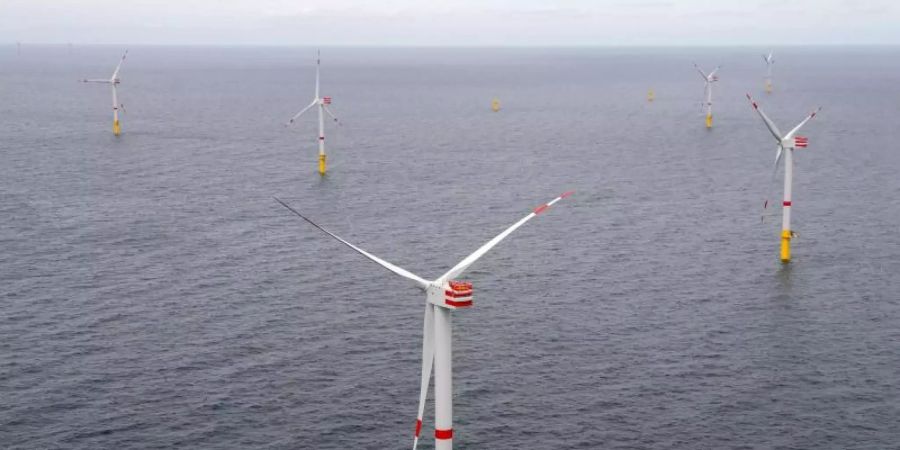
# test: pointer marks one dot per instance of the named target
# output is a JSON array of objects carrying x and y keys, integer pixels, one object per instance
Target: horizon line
[{"x": 413, "y": 46}]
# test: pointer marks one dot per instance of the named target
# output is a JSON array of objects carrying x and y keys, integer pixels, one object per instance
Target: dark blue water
[{"x": 155, "y": 296}]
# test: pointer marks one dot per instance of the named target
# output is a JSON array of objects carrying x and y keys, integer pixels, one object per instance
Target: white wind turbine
[
  {"x": 113, "y": 81},
  {"x": 322, "y": 103},
  {"x": 709, "y": 80},
  {"x": 770, "y": 61},
  {"x": 786, "y": 144},
  {"x": 442, "y": 296}
]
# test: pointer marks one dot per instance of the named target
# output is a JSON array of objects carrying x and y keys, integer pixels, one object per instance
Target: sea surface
[{"x": 154, "y": 295}]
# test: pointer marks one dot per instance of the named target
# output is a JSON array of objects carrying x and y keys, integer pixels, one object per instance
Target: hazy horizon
[
  {"x": 449, "y": 46},
  {"x": 466, "y": 23}
]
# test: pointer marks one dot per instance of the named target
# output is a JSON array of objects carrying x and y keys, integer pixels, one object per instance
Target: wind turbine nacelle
[
  {"x": 452, "y": 295},
  {"x": 795, "y": 142}
]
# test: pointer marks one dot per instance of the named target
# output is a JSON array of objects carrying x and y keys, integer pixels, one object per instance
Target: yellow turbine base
[
  {"x": 116, "y": 128},
  {"x": 768, "y": 88},
  {"x": 785, "y": 246},
  {"x": 322, "y": 164},
  {"x": 709, "y": 121}
]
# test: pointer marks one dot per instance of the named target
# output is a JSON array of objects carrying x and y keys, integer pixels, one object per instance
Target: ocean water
[{"x": 153, "y": 295}]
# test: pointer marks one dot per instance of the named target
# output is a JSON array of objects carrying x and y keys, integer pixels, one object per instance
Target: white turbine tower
[
  {"x": 770, "y": 61},
  {"x": 709, "y": 80},
  {"x": 786, "y": 144},
  {"x": 113, "y": 81},
  {"x": 442, "y": 296},
  {"x": 322, "y": 103}
]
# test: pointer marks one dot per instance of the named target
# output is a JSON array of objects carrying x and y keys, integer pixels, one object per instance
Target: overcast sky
[{"x": 443, "y": 22}]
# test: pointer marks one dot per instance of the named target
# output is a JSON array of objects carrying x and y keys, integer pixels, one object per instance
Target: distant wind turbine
[
  {"x": 113, "y": 81},
  {"x": 786, "y": 144},
  {"x": 322, "y": 103},
  {"x": 770, "y": 61},
  {"x": 708, "y": 80},
  {"x": 442, "y": 296}
]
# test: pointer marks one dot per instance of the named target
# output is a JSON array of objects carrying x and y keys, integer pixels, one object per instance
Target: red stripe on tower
[
  {"x": 443, "y": 434},
  {"x": 786, "y": 203}
]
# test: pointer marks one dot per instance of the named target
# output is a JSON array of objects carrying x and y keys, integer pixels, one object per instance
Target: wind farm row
[{"x": 447, "y": 293}]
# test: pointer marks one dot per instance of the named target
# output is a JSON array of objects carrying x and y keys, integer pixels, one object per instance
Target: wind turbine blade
[
  {"x": 702, "y": 74},
  {"x": 94, "y": 80},
  {"x": 778, "y": 156},
  {"x": 314, "y": 102},
  {"x": 465, "y": 263},
  {"x": 330, "y": 113},
  {"x": 713, "y": 73},
  {"x": 119, "y": 67},
  {"x": 800, "y": 125},
  {"x": 318, "y": 63},
  {"x": 396, "y": 269},
  {"x": 769, "y": 124},
  {"x": 427, "y": 361}
]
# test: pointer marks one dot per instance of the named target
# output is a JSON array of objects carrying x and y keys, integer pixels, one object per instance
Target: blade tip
[{"x": 567, "y": 194}]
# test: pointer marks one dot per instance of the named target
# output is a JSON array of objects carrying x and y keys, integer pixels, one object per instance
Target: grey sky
[{"x": 443, "y": 22}]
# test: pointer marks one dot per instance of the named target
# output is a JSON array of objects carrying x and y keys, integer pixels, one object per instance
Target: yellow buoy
[{"x": 495, "y": 104}]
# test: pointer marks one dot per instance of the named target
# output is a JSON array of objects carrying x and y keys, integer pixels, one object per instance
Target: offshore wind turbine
[
  {"x": 322, "y": 104},
  {"x": 443, "y": 295},
  {"x": 113, "y": 81},
  {"x": 708, "y": 80},
  {"x": 770, "y": 61},
  {"x": 786, "y": 145}
]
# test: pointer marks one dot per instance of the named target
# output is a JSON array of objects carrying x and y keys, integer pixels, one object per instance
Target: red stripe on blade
[
  {"x": 567, "y": 194},
  {"x": 541, "y": 208},
  {"x": 443, "y": 434},
  {"x": 418, "y": 427}
]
